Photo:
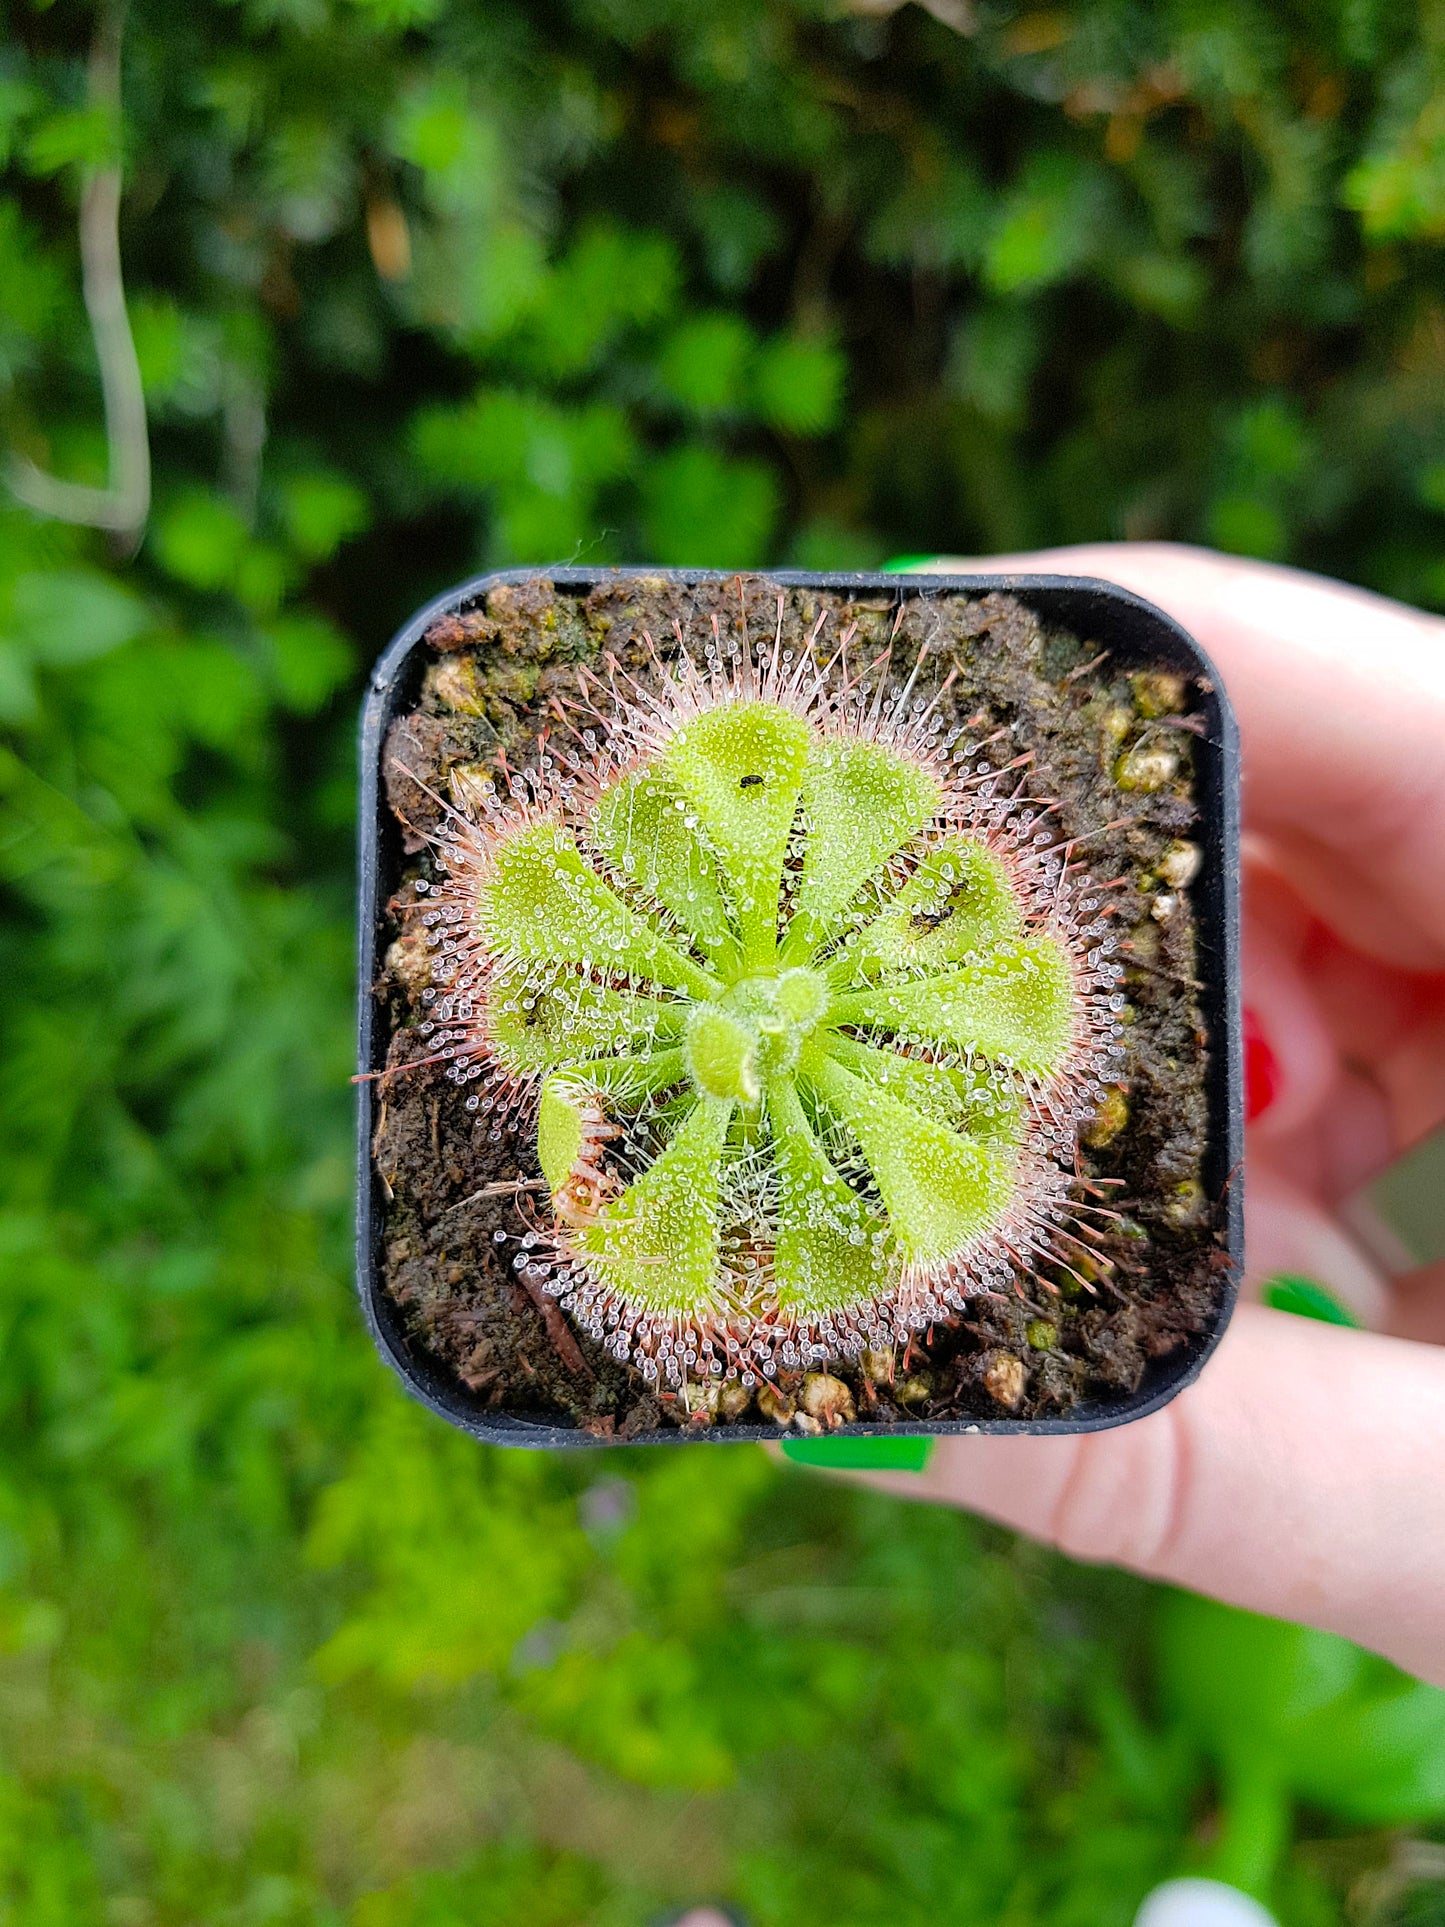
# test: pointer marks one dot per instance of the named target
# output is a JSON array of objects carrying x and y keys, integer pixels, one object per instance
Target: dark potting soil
[{"x": 1113, "y": 749}]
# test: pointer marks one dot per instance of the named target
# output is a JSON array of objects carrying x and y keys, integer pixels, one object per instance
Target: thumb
[{"x": 1298, "y": 1477}]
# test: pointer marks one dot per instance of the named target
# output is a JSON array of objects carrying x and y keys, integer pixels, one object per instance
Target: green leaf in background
[
  {"x": 67, "y": 616},
  {"x": 694, "y": 487},
  {"x": 799, "y": 384},
  {"x": 703, "y": 365},
  {"x": 200, "y": 540},
  {"x": 1289, "y": 1714},
  {"x": 320, "y": 511}
]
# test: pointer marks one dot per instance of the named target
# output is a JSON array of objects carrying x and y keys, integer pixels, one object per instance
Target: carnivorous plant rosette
[{"x": 806, "y": 1003}]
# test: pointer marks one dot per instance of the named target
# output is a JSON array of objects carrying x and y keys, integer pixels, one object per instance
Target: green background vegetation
[{"x": 421, "y": 286}]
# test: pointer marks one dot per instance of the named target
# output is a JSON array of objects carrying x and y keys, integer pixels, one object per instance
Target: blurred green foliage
[{"x": 420, "y": 286}]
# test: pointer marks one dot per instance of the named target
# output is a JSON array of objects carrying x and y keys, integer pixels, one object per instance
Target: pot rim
[{"x": 1136, "y": 630}]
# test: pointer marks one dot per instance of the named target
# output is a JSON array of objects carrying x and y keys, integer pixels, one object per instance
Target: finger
[
  {"x": 1340, "y": 696},
  {"x": 1279, "y": 995},
  {"x": 1298, "y": 1477},
  {"x": 1417, "y": 1305},
  {"x": 1356, "y": 1048},
  {"x": 1388, "y": 1026},
  {"x": 1288, "y": 1229}
]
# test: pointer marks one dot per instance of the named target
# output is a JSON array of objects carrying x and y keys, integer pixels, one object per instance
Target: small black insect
[
  {"x": 749, "y": 782},
  {"x": 922, "y": 921},
  {"x": 925, "y": 920}
]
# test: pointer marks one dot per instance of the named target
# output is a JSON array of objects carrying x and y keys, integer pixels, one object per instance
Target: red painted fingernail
[{"x": 1261, "y": 1069}]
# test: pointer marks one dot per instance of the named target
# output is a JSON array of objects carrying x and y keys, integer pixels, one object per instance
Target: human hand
[{"x": 1303, "y": 1475}]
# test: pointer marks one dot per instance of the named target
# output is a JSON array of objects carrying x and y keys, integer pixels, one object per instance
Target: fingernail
[
  {"x": 1261, "y": 1069},
  {"x": 861, "y": 1455},
  {"x": 1306, "y": 1298}
]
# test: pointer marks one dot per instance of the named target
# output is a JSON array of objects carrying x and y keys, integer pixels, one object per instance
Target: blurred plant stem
[{"x": 121, "y": 507}]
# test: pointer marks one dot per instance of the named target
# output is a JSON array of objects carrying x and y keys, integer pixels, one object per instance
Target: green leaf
[
  {"x": 560, "y": 1130},
  {"x": 975, "y": 1102},
  {"x": 703, "y": 365},
  {"x": 200, "y": 540},
  {"x": 320, "y": 511},
  {"x": 722, "y": 1055},
  {"x": 701, "y": 507},
  {"x": 1016, "y": 1009},
  {"x": 567, "y": 1095},
  {"x": 610, "y": 279},
  {"x": 1050, "y": 221},
  {"x": 638, "y": 825},
  {"x": 310, "y": 660},
  {"x": 958, "y": 903},
  {"x": 64, "y": 616},
  {"x": 158, "y": 329},
  {"x": 86, "y": 137},
  {"x": 828, "y": 1249},
  {"x": 741, "y": 768},
  {"x": 1332, "y": 1724},
  {"x": 940, "y": 1189},
  {"x": 798, "y": 384},
  {"x": 1246, "y": 524},
  {"x": 658, "y": 1242},
  {"x": 543, "y": 902},
  {"x": 18, "y": 694},
  {"x": 861, "y": 804},
  {"x": 541, "y": 1027},
  {"x": 516, "y": 441}
]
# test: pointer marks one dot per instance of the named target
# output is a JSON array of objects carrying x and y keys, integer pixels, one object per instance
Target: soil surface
[{"x": 1113, "y": 748}]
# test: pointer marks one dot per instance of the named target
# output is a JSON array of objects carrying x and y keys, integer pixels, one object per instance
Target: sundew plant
[{"x": 806, "y": 1000}]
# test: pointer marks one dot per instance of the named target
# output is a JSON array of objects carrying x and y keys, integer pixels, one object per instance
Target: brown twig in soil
[
  {"x": 1084, "y": 667},
  {"x": 558, "y": 1330},
  {"x": 1135, "y": 962},
  {"x": 507, "y": 1188}
]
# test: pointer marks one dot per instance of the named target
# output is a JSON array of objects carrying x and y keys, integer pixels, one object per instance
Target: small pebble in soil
[
  {"x": 733, "y": 1398},
  {"x": 1004, "y": 1379},
  {"x": 454, "y": 682},
  {"x": 409, "y": 960},
  {"x": 1179, "y": 865},
  {"x": 1115, "y": 726},
  {"x": 1186, "y": 1203},
  {"x": 1158, "y": 692},
  {"x": 1147, "y": 767},
  {"x": 775, "y": 1405},
  {"x": 1109, "y": 1120},
  {"x": 827, "y": 1399}
]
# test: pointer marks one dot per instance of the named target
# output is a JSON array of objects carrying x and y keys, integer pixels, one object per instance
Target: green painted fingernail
[
  {"x": 906, "y": 564},
  {"x": 1288, "y": 1291},
  {"x": 861, "y": 1455}
]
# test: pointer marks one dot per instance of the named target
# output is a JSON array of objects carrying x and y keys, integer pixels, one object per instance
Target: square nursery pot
[{"x": 1136, "y": 735}]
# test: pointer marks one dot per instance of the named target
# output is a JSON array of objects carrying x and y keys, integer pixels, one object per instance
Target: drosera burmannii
[
  {"x": 786, "y": 1036},
  {"x": 805, "y": 1000}
]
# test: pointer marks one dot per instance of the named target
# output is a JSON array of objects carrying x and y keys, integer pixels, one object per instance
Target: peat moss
[{"x": 1113, "y": 749}]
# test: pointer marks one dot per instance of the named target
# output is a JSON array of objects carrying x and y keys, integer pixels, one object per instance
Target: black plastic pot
[{"x": 1135, "y": 633}]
